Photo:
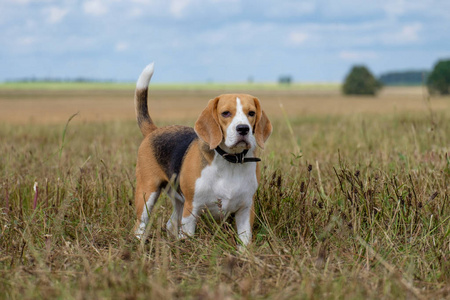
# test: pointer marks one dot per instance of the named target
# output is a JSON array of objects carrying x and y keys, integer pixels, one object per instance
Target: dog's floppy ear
[
  {"x": 263, "y": 127},
  {"x": 207, "y": 126}
]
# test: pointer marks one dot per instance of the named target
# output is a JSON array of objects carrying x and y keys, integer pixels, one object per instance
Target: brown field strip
[{"x": 39, "y": 106}]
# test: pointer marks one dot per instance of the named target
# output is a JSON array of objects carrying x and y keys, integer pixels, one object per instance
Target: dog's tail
[{"x": 140, "y": 101}]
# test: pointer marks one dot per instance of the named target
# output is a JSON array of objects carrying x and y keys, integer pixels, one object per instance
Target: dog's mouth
[{"x": 241, "y": 144}]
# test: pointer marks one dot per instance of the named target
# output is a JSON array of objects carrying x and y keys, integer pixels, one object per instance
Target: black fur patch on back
[{"x": 170, "y": 146}]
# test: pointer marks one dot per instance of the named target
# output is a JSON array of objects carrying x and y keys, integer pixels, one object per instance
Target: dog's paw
[
  {"x": 139, "y": 233},
  {"x": 172, "y": 230},
  {"x": 182, "y": 235},
  {"x": 241, "y": 248}
]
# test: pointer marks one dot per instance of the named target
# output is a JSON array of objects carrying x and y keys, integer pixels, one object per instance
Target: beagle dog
[{"x": 211, "y": 166}]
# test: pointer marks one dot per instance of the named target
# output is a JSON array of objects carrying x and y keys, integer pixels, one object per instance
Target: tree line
[
  {"x": 404, "y": 78},
  {"x": 360, "y": 80}
]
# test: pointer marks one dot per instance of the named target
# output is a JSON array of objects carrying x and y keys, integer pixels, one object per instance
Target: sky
[{"x": 219, "y": 40}]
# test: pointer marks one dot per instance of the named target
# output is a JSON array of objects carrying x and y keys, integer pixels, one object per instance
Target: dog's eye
[
  {"x": 226, "y": 114},
  {"x": 251, "y": 113}
]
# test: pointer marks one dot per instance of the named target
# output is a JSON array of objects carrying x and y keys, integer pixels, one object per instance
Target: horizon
[{"x": 248, "y": 81}]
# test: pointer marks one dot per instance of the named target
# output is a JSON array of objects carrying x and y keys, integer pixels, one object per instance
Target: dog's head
[{"x": 235, "y": 122}]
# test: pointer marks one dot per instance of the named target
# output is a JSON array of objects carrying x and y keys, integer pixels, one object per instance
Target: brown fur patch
[
  {"x": 207, "y": 126},
  {"x": 149, "y": 177}
]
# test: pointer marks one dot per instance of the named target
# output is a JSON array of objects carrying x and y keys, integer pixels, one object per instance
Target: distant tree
[
  {"x": 360, "y": 81},
  {"x": 285, "y": 79},
  {"x": 439, "y": 79},
  {"x": 412, "y": 77}
]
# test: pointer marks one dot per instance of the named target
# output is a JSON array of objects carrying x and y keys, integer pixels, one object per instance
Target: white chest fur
[{"x": 225, "y": 188}]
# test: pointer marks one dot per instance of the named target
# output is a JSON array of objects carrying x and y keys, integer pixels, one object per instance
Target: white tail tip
[{"x": 144, "y": 78}]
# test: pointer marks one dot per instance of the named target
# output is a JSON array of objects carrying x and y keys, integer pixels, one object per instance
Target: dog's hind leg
[
  {"x": 150, "y": 179},
  {"x": 174, "y": 223},
  {"x": 144, "y": 207}
]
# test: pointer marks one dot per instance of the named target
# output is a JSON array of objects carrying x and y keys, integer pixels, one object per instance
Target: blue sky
[{"x": 219, "y": 40}]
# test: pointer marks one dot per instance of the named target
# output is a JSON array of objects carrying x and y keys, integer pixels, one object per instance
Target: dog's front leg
[
  {"x": 188, "y": 226},
  {"x": 189, "y": 220},
  {"x": 244, "y": 225}
]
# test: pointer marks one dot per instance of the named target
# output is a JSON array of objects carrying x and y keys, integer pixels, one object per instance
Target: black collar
[{"x": 238, "y": 158}]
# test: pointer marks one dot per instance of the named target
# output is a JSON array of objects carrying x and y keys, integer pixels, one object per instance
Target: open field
[
  {"x": 353, "y": 201},
  {"x": 21, "y": 106}
]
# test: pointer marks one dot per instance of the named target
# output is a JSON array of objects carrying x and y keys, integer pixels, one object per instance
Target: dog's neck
[{"x": 236, "y": 158}]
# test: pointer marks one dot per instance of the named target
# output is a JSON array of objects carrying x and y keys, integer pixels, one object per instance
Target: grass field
[{"x": 353, "y": 201}]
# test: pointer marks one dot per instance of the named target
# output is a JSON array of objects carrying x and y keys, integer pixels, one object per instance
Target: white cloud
[
  {"x": 395, "y": 8},
  {"x": 225, "y": 1},
  {"x": 297, "y": 38},
  {"x": 95, "y": 7},
  {"x": 197, "y": 8},
  {"x": 56, "y": 14},
  {"x": 348, "y": 8},
  {"x": 178, "y": 7},
  {"x": 142, "y": 1},
  {"x": 136, "y": 12},
  {"x": 357, "y": 55},
  {"x": 411, "y": 33},
  {"x": 25, "y": 2},
  {"x": 407, "y": 34},
  {"x": 21, "y": 1},
  {"x": 283, "y": 9},
  {"x": 240, "y": 34},
  {"x": 26, "y": 41},
  {"x": 121, "y": 46}
]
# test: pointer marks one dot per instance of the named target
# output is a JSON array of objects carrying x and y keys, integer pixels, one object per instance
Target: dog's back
[{"x": 170, "y": 145}]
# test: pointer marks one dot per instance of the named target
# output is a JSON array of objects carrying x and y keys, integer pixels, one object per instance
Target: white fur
[
  {"x": 233, "y": 137},
  {"x": 144, "y": 78},
  {"x": 146, "y": 213},
  {"x": 224, "y": 188}
]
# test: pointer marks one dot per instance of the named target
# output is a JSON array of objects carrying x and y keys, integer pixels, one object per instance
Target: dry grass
[
  {"x": 56, "y": 106},
  {"x": 354, "y": 203}
]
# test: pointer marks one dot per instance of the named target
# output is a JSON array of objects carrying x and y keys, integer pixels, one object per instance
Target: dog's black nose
[{"x": 242, "y": 129}]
